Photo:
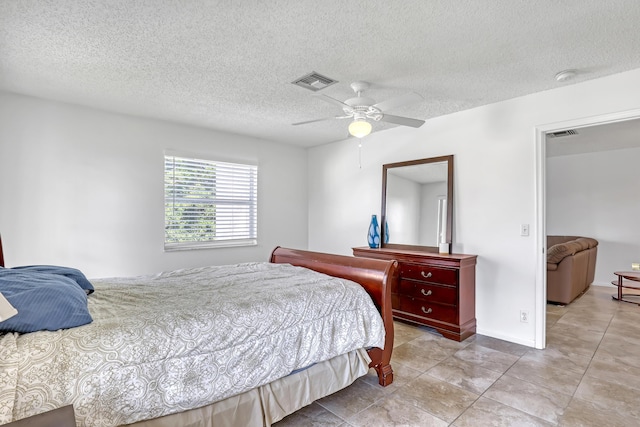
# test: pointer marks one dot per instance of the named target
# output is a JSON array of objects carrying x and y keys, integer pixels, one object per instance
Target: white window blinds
[{"x": 209, "y": 203}]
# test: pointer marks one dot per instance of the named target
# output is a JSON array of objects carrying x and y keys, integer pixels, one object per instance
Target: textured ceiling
[{"x": 228, "y": 65}]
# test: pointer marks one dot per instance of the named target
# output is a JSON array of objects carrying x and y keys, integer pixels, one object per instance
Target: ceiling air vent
[
  {"x": 562, "y": 133},
  {"x": 314, "y": 81}
]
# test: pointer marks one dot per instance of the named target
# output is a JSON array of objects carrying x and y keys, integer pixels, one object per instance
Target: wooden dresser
[{"x": 435, "y": 290}]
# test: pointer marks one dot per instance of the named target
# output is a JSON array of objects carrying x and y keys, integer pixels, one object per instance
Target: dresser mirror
[{"x": 417, "y": 203}]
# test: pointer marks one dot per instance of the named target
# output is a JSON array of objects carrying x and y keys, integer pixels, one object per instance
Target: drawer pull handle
[
  {"x": 426, "y": 294},
  {"x": 427, "y": 311},
  {"x": 426, "y": 276}
]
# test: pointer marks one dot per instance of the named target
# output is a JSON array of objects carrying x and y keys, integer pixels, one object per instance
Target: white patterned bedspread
[{"x": 179, "y": 340}]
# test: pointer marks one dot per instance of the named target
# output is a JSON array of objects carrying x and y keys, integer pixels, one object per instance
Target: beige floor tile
[
  {"x": 439, "y": 381},
  {"x": 558, "y": 359},
  {"x": 439, "y": 346},
  {"x": 629, "y": 333},
  {"x": 625, "y": 351},
  {"x": 614, "y": 338},
  {"x": 464, "y": 375},
  {"x": 418, "y": 357},
  {"x": 631, "y": 317},
  {"x": 597, "y": 299},
  {"x": 572, "y": 344},
  {"x": 610, "y": 370},
  {"x": 626, "y": 324},
  {"x": 403, "y": 333},
  {"x": 500, "y": 345},
  {"x": 486, "y": 358},
  {"x": 353, "y": 399},
  {"x": 594, "y": 306},
  {"x": 533, "y": 399},
  {"x": 437, "y": 397},
  {"x": 546, "y": 375},
  {"x": 583, "y": 413},
  {"x": 552, "y": 319},
  {"x": 616, "y": 397},
  {"x": 313, "y": 415},
  {"x": 489, "y": 413},
  {"x": 402, "y": 375},
  {"x": 557, "y": 309},
  {"x": 394, "y": 411},
  {"x": 435, "y": 336},
  {"x": 628, "y": 306},
  {"x": 563, "y": 330},
  {"x": 590, "y": 321}
]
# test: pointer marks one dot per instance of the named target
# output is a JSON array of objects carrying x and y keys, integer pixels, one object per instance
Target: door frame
[{"x": 541, "y": 221}]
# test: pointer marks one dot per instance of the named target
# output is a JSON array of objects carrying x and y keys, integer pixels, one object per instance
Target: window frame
[{"x": 252, "y": 203}]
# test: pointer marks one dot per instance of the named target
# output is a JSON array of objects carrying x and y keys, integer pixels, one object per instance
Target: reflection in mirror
[{"x": 417, "y": 199}]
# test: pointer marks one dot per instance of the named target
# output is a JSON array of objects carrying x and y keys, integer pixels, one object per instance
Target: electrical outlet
[
  {"x": 524, "y": 229},
  {"x": 524, "y": 316}
]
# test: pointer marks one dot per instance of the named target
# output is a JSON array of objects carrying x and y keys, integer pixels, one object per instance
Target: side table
[{"x": 629, "y": 280}]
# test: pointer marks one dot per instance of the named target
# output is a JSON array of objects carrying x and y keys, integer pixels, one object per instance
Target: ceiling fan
[{"x": 363, "y": 110}]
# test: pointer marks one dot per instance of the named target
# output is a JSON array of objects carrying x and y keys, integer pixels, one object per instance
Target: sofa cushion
[
  {"x": 554, "y": 240},
  {"x": 557, "y": 253},
  {"x": 582, "y": 242},
  {"x": 552, "y": 267},
  {"x": 592, "y": 243}
]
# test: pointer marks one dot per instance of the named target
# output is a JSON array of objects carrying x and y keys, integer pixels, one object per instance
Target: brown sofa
[{"x": 571, "y": 267}]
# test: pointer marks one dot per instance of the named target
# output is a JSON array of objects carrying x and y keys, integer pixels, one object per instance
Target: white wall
[
  {"x": 596, "y": 195},
  {"x": 495, "y": 180},
  {"x": 430, "y": 195},
  {"x": 84, "y": 188},
  {"x": 403, "y": 210}
]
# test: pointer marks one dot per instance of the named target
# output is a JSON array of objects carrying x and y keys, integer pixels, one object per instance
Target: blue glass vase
[
  {"x": 373, "y": 238},
  {"x": 386, "y": 232}
]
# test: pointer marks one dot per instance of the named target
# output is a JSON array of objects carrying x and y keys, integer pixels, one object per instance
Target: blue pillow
[
  {"x": 45, "y": 302},
  {"x": 71, "y": 273}
]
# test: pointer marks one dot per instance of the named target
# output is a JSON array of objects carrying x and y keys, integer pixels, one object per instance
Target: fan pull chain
[{"x": 359, "y": 154}]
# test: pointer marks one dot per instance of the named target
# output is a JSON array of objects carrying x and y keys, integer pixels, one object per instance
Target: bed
[{"x": 144, "y": 365}]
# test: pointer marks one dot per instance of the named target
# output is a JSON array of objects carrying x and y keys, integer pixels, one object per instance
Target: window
[{"x": 209, "y": 203}]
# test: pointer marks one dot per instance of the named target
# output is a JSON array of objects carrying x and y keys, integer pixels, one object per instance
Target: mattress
[{"x": 180, "y": 340}]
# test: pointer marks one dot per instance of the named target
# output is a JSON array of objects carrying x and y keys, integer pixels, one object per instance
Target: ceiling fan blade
[
  {"x": 404, "y": 121},
  {"x": 331, "y": 100},
  {"x": 320, "y": 120},
  {"x": 392, "y": 103}
]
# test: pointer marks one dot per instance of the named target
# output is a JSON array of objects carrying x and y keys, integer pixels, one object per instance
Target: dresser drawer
[
  {"x": 429, "y": 292},
  {"x": 422, "y": 308},
  {"x": 428, "y": 273}
]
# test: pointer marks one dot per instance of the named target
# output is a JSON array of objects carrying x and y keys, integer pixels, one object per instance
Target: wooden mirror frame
[{"x": 449, "y": 225}]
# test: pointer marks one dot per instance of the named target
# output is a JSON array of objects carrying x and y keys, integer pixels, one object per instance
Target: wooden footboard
[{"x": 375, "y": 276}]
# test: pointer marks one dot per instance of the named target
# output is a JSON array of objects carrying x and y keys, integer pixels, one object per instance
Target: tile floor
[{"x": 589, "y": 375}]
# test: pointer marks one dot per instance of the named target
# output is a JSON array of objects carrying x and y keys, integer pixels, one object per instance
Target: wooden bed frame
[{"x": 375, "y": 276}]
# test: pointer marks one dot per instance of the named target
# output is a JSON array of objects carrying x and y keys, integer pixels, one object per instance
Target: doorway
[{"x": 568, "y": 148}]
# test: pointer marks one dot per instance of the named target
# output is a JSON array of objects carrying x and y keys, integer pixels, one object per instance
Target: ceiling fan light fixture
[{"x": 360, "y": 128}]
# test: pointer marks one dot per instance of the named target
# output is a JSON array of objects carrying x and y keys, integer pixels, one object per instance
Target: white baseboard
[{"x": 500, "y": 336}]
